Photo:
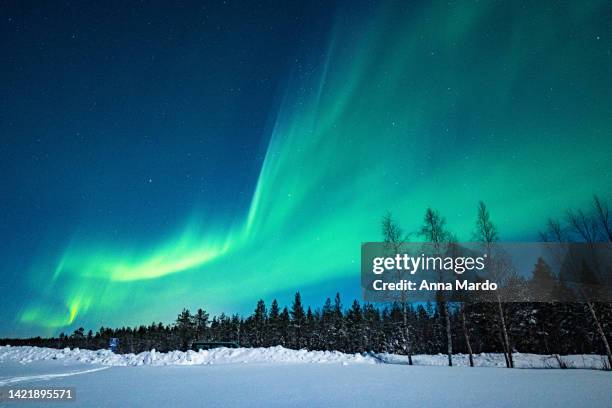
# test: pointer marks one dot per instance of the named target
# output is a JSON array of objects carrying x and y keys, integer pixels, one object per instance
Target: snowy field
[{"x": 282, "y": 377}]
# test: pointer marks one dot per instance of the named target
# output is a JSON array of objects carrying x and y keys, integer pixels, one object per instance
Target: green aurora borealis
[{"x": 403, "y": 108}]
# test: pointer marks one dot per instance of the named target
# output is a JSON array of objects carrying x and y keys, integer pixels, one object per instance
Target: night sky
[{"x": 155, "y": 156}]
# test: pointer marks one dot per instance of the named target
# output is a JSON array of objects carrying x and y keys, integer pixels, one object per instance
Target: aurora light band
[{"x": 404, "y": 107}]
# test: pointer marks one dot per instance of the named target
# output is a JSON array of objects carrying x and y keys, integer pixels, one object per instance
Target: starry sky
[{"x": 157, "y": 155}]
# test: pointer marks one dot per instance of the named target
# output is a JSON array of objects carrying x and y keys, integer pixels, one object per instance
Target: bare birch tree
[
  {"x": 486, "y": 233},
  {"x": 434, "y": 231},
  {"x": 393, "y": 236},
  {"x": 591, "y": 229}
]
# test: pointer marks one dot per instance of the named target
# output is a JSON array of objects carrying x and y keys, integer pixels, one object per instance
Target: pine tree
[
  {"x": 327, "y": 328},
  {"x": 338, "y": 325},
  {"x": 200, "y": 321},
  {"x": 297, "y": 320},
  {"x": 355, "y": 330},
  {"x": 259, "y": 320},
  {"x": 309, "y": 333},
  {"x": 373, "y": 334},
  {"x": 284, "y": 322},
  {"x": 185, "y": 327},
  {"x": 273, "y": 336},
  {"x": 234, "y": 328}
]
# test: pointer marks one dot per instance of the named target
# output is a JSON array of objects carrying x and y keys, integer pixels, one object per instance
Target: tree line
[{"x": 399, "y": 327}]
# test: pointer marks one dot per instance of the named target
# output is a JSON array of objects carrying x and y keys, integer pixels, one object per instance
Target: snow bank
[
  {"x": 592, "y": 361},
  {"x": 278, "y": 354},
  {"x": 26, "y": 354}
]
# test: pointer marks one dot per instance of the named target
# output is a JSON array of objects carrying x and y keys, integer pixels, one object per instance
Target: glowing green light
[{"x": 422, "y": 109}]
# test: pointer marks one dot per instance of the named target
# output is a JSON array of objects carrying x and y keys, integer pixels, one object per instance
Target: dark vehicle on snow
[{"x": 209, "y": 345}]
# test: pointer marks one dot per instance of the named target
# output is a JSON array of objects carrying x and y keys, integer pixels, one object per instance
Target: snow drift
[
  {"x": 26, "y": 354},
  {"x": 281, "y": 355}
]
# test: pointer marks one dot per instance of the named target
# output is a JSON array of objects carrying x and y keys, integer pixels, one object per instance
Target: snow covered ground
[{"x": 281, "y": 377}]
